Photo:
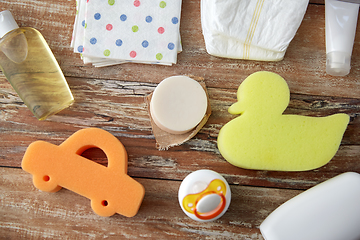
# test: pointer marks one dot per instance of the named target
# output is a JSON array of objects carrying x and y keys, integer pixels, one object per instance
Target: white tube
[{"x": 340, "y": 27}]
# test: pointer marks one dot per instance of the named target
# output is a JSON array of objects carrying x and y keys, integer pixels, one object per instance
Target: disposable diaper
[{"x": 250, "y": 29}]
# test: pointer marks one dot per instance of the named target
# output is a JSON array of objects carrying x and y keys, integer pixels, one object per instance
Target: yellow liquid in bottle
[{"x": 31, "y": 68}]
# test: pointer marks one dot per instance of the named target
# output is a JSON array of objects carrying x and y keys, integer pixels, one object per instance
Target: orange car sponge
[
  {"x": 110, "y": 189},
  {"x": 263, "y": 138}
]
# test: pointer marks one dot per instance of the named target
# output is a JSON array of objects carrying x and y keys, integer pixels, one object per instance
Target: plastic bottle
[
  {"x": 340, "y": 27},
  {"x": 327, "y": 211},
  {"x": 31, "y": 68}
]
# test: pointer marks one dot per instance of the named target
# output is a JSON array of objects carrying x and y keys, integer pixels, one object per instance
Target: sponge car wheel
[
  {"x": 45, "y": 183},
  {"x": 102, "y": 207}
]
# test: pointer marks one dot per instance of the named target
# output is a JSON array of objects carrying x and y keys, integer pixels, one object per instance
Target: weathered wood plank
[
  {"x": 145, "y": 161},
  {"x": 118, "y": 106},
  {"x": 28, "y": 213}
]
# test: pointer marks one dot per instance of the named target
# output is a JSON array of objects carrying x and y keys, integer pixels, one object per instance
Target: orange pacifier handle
[
  {"x": 215, "y": 187},
  {"x": 109, "y": 188}
]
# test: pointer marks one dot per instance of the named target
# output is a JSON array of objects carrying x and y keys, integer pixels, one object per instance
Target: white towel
[
  {"x": 250, "y": 29},
  {"x": 108, "y": 32}
]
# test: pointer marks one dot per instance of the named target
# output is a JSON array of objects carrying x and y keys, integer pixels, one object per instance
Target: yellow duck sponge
[{"x": 263, "y": 138}]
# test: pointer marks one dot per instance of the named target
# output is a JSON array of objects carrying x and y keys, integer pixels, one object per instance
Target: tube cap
[
  {"x": 7, "y": 23},
  {"x": 338, "y": 63}
]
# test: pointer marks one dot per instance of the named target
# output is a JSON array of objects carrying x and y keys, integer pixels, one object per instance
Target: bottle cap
[
  {"x": 338, "y": 63},
  {"x": 7, "y": 23}
]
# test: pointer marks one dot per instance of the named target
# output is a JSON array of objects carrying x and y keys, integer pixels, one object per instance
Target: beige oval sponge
[{"x": 264, "y": 138}]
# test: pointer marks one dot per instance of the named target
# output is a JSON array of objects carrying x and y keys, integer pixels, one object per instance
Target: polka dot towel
[{"x": 108, "y": 32}]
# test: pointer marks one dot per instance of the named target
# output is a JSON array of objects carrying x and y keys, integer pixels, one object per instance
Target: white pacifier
[{"x": 204, "y": 195}]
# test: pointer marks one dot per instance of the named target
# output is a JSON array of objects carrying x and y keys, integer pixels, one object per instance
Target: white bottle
[
  {"x": 328, "y": 211},
  {"x": 340, "y": 27},
  {"x": 31, "y": 68}
]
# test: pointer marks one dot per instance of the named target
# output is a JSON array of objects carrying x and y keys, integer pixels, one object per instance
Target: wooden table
[{"x": 112, "y": 98}]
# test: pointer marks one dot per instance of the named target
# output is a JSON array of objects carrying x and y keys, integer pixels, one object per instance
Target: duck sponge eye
[{"x": 263, "y": 138}]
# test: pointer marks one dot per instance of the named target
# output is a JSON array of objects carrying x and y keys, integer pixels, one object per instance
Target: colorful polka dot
[
  {"x": 123, "y": 17},
  {"x": 171, "y": 46},
  {"x": 118, "y": 42},
  {"x": 135, "y": 28},
  {"x": 134, "y": 49},
  {"x": 174, "y": 20},
  {"x": 148, "y": 19},
  {"x": 136, "y": 3},
  {"x": 159, "y": 56},
  {"x": 161, "y": 30},
  {"x": 97, "y": 16},
  {"x": 145, "y": 44},
  {"x": 162, "y": 4},
  {"x": 93, "y": 41},
  {"x": 107, "y": 53},
  {"x": 80, "y": 49},
  {"x": 109, "y": 27},
  {"x": 132, "y": 54}
]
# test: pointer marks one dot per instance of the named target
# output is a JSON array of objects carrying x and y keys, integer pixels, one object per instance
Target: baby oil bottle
[{"x": 31, "y": 68}]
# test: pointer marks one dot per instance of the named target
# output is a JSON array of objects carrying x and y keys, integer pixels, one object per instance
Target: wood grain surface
[{"x": 112, "y": 98}]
